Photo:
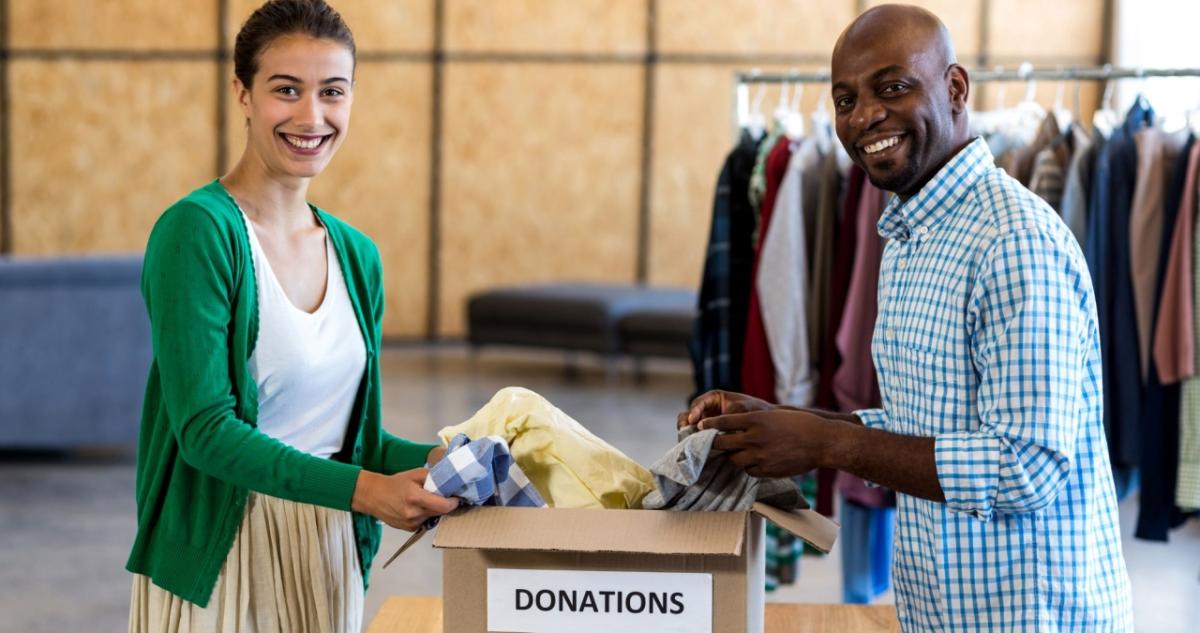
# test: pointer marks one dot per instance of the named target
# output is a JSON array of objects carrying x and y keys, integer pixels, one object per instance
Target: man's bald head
[
  {"x": 900, "y": 95},
  {"x": 906, "y": 23}
]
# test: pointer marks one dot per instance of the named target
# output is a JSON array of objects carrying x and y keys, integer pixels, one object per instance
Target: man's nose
[{"x": 867, "y": 112}]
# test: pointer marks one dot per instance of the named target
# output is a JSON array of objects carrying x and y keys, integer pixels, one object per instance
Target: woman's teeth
[
  {"x": 881, "y": 145},
  {"x": 303, "y": 143}
]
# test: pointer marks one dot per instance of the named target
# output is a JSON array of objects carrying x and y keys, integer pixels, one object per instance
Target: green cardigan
[{"x": 199, "y": 450}]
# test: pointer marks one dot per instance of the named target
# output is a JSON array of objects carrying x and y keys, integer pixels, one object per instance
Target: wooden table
[{"x": 423, "y": 614}]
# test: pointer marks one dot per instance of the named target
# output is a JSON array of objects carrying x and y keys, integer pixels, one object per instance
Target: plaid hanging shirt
[
  {"x": 482, "y": 472},
  {"x": 986, "y": 339}
]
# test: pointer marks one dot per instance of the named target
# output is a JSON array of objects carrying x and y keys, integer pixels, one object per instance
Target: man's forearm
[{"x": 904, "y": 463}]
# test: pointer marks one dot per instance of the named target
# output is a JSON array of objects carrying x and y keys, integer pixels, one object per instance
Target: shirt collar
[{"x": 939, "y": 197}]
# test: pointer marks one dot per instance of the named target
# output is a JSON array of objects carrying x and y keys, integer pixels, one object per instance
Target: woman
[{"x": 262, "y": 464}]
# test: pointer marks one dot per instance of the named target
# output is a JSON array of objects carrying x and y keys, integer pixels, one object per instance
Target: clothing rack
[{"x": 1024, "y": 73}]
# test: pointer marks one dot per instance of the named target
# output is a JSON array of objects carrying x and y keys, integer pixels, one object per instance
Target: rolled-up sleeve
[
  {"x": 1029, "y": 321},
  {"x": 873, "y": 418}
]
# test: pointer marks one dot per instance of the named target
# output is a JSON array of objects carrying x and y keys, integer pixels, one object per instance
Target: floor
[{"x": 66, "y": 522}]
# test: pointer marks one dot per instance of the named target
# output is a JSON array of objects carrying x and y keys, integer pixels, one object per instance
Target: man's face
[{"x": 893, "y": 111}]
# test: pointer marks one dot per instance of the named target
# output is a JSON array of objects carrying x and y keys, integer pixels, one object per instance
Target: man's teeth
[
  {"x": 303, "y": 143},
  {"x": 881, "y": 145}
]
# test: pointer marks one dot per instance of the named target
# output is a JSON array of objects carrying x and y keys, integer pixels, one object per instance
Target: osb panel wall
[
  {"x": 751, "y": 26},
  {"x": 91, "y": 175},
  {"x": 592, "y": 26},
  {"x": 1038, "y": 29},
  {"x": 540, "y": 177},
  {"x": 379, "y": 182},
  {"x": 961, "y": 18},
  {"x": 394, "y": 25},
  {"x": 108, "y": 24}
]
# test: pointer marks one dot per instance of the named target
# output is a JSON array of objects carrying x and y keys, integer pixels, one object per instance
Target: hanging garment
[
  {"x": 782, "y": 285},
  {"x": 839, "y": 283},
  {"x": 569, "y": 466},
  {"x": 482, "y": 472},
  {"x": 854, "y": 384},
  {"x": 1176, "y": 361},
  {"x": 694, "y": 476},
  {"x": 1157, "y": 512},
  {"x": 758, "y": 372},
  {"x": 1023, "y": 158},
  {"x": 1157, "y": 152},
  {"x": 1187, "y": 491},
  {"x": 832, "y": 177},
  {"x": 758, "y": 177},
  {"x": 866, "y": 537},
  {"x": 1078, "y": 181},
  {"x": 1108, "y": 252},
  {"x": 724, "y": 299},
  {"x": 1047, "y": 179}
]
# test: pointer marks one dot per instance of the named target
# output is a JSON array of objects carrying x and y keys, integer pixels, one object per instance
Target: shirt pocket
[{"x": 931, "y": 387}]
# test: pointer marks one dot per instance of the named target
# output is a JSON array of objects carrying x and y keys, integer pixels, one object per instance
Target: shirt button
[
  {"x": 922, "y": 230},
  {"x": 901, "y": 264}
]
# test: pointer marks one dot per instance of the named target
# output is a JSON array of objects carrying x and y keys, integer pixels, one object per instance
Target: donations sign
[{"x": 553, "y": 601}]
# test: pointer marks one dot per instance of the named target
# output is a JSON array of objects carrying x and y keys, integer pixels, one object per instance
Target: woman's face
[{"x": 299, "y": 106}]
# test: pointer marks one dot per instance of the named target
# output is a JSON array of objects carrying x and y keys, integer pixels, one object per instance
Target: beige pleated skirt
[{"x": 293, "y": 568}]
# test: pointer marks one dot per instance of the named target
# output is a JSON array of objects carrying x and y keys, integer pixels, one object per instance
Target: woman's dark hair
[{"x": 278, "y": 18}]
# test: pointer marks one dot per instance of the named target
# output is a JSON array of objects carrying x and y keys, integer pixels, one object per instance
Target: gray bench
[
  {"x": 607, "y": 319},
  {"x": 74, "y": 351}
]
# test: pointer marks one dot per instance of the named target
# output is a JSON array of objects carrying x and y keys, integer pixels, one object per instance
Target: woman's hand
[
  {"x": 718, "y": 402},
  {"x": 399, "y": 500}
]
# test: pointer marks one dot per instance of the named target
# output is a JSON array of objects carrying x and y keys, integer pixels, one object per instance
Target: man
[{"x": 988, "y": 357}]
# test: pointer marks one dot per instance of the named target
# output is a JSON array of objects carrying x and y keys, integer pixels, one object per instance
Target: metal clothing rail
[
  {"x": 1026, "y": 72},
  {"x": 1034, "y": 74}
]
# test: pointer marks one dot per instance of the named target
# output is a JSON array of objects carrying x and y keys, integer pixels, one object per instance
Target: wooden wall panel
[
  {"x": 752, "y": 26},
  {"x": 394, "y": 25},
  {"x": 90, "y": 24},
  {"x": 100, "y": 149},
  {"x": 540, "y": 177},
  {"x": 1036, "y": 29},
  {"x": 961, "y": 18},
  {"x": 379, "y": 182},
  {"x": 688, "y": 158},
  {"x": 577, "y": 26}
]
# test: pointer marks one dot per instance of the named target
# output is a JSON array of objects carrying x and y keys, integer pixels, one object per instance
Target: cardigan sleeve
[{"x": 188, "y": 283}]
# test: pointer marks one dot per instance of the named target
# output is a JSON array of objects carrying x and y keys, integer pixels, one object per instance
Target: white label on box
[{"x": 553, "y": 601}]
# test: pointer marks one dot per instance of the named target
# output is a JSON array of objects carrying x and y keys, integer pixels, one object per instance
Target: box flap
[
  {"x": 807, "y": 525},
  {"x": 575, "y": 530}
]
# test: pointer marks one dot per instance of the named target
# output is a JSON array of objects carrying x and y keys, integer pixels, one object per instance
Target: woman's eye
[
  {"x": 287, "y": 91},
  {"x": 333, "y": 92}
]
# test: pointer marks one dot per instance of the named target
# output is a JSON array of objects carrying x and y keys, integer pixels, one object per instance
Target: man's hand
[
  {"x": 776, "y": 443},
  {"x": 718, "y": 402},
  {"x": 399, "y": 500}
]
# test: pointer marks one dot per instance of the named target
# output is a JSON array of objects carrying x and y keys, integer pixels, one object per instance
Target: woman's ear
[{"x": 243, "y": 97}]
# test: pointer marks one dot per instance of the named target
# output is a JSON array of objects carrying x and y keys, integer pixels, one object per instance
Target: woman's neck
[{"x": 269, "y": 201}]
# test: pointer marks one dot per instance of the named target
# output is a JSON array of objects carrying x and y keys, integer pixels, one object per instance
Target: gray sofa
[
  {"x": 75, "y": 351},
  {"x": 608, "y": 319}
]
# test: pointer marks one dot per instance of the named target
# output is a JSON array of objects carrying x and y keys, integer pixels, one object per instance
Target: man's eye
[
  {"x": 893, "y": 88},
  {"x": 843, "y": 103}
]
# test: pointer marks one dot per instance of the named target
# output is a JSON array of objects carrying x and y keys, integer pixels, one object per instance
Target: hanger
[
  {"x": 793, "y": 121},
  {"x": 1105, "y": 119},
  {"x": 1062, "y": 115}
]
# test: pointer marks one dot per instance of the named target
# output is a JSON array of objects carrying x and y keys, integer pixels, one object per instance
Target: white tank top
[{"x": 308, "y": 367}]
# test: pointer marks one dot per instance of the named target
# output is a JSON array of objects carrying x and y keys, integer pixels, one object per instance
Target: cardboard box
[{"x": 560, "y": 570}]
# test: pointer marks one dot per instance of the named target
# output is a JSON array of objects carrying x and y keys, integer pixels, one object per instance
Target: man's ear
[{"x": 959, "y": 84}]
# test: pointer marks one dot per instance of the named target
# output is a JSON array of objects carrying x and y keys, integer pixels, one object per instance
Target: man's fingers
[
  {"x": 681, "y": 420},
  {"x": 707, "y": 404},
  {"x": 729, "y": 423}
]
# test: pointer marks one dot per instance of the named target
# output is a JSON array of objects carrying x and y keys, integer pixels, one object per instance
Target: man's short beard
[{"x": 897, "y": 182}]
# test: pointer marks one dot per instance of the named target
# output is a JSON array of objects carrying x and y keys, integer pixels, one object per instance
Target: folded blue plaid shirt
[{"x": 482, "y": 472}]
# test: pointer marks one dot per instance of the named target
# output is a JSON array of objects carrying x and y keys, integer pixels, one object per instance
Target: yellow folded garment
[{"x": 569, "y": 466}]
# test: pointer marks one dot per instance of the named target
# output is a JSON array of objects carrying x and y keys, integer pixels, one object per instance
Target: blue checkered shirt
[
  {"x": 986, "y": 339},
  {"x": 482, "y": 472}
]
